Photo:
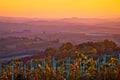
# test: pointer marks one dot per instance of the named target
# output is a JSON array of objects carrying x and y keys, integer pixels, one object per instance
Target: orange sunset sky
[{"x": 60, "y": 8}]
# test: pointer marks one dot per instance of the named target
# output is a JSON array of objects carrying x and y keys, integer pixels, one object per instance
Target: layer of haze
[{"x": 60, "y": 8}]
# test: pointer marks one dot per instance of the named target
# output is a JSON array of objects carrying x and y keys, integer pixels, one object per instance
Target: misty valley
[{"x": 24, "y": 37}]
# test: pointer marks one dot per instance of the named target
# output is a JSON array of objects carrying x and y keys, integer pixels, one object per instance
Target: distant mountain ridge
[
  {"x": 74, "y": 25},
  {"x": 70, "y": 20}
]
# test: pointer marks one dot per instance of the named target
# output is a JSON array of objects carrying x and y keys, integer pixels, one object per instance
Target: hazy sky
[{"x": 60, "y": 8}]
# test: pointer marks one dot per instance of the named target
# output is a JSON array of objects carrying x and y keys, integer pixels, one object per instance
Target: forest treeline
[{"x": 95, "y": 49}]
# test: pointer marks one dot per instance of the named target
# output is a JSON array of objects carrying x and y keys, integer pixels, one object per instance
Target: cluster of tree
[
  {"x": 98, "y": 47},
  {"x": 89, "y": 48},
  {"x": 69, "y": 49}
]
